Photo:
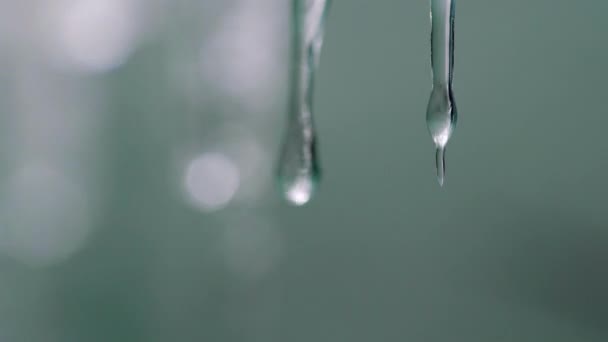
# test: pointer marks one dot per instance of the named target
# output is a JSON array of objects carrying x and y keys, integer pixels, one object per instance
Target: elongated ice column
[
  {"x": 441, "y": 111},
  {"x": 299, "y": 171}
]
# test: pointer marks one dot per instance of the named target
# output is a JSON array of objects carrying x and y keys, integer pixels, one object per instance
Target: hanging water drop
[
  {"x": 441, "y": 112},
  {"x": 299, "y": 191},
  {"x": 299, "y": 171}
]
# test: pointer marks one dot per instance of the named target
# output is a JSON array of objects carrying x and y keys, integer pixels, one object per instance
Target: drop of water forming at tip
[
  {"x": 299, "y": 172},
  {"x": 299, "y": 190},
  {"x": 440, "y": 160},
  {"x": 441, "y": 120}
]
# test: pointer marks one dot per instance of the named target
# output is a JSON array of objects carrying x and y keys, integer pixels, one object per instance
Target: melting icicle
[
  {"x": 299, "y": 170},
  {"x": 441, "y": 111}
]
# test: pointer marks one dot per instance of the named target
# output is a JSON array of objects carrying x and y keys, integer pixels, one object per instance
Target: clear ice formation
[
  {"x": 299, "y": 172},
  {"x": 441, "y": 112}
]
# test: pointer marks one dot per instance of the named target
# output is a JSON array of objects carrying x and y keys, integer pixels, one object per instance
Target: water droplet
[
  {"x": 441, "y": 114},
  {"x": 440, "y": 164},
  {"x": 299, "y": 190},
  {"x": 299, "y": 171}
]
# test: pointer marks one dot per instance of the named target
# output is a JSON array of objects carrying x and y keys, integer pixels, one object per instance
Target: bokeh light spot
[
  {"x": 96, "y": 35},
  {"x": 45, "y": 215},
  {"x": 212, "y": 180}
]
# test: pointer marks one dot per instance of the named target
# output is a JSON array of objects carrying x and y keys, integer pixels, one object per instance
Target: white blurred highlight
[
  {"x": 46, "y": 200},
  {"x": 44, "y": 215},
  {"x": 95, "y": 35},
  {"x": 212, "y": 180}
]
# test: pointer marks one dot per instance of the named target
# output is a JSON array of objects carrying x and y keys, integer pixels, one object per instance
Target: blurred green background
[{"x": 137, "y": 199}]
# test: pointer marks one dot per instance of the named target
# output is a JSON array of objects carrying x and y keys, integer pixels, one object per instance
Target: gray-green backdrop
[{"x": 137, "y": 201}]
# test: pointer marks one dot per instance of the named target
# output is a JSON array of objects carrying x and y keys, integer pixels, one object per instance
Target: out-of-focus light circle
[
  {"x": 96, "y": 35},
  {"x": 212, "y": 180},
  {"x": 45, "y": 216}
]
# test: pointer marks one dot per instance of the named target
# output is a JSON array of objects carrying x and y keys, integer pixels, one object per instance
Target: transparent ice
[
  {"x": 441, "y": 112},
  {"x": 299, "y": 170}
]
